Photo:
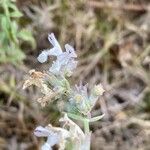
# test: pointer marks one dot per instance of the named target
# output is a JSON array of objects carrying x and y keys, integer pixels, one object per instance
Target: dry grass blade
[{"x": 119, "y": 6}]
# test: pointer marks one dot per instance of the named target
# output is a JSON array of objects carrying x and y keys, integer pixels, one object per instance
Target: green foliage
[{"x": 11, "y": 36}]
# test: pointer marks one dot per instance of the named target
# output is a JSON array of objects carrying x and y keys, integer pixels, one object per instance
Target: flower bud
[
  {"x": 98, "y": 90},
  {"x": 78, "y": 98}
]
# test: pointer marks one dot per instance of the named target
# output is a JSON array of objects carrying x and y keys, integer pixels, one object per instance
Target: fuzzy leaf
[
  {"x": 96, "y": 118},
  {"x": 76, "y": 117}
]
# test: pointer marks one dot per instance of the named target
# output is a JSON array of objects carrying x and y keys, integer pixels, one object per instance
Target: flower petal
[
  {"x": 53, "y": 139},
  {"x": 42, "y": 132},
  {"x": 65, "y": 63},
  {"x": 75, "y": 130},
  {"x": 70, "y": 49},
  {"x": 46, "y": 146},
  {"x": 42, "y": 57},
  {"x": 54, "y": 42},
  {"x": 55, "y": 68},
  {"x": 55, "y": 51}
]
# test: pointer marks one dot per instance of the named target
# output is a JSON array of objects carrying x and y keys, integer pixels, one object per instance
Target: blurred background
[{"x": 112, "y": 40}]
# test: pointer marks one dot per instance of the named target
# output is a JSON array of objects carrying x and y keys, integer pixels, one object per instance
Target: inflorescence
[{"x": 77, "y": 101}]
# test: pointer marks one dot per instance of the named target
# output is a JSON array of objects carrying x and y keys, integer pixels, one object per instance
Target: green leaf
[
  {"x": 5, "y": 25},
  {"x": 16, "y": 14},
  {"x": 14, "y": 29},
  {"x": 76, "y": 117},
  {"x": 27, "y": 36},
  {"x": 12, "y": 6},
  {"x": 96, "y": 118},
  {"x": 2, "y": 38},
  {"x": 16, "y": 55}
]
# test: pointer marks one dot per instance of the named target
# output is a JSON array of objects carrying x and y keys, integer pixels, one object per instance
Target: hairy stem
[
  {"x": 87, "y": 134},
  {"x": 86, "y": 126}
]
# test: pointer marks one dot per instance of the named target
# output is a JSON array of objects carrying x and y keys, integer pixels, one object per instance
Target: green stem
[
  {"x": 86, "y": 126},
  {"x": 86, "y": 121},
  {"x": 87, "y": 141}
]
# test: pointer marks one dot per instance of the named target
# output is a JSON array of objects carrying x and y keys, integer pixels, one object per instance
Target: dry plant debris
[{"x": 123, "y": 67}]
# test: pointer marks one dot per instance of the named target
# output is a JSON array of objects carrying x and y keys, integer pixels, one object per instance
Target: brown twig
[{"x": 114, "y": 5}]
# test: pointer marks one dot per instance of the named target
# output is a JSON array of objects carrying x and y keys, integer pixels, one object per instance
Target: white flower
[
  {"x": 74, "y": 129},
  {"x": 54, "y": 42},
  {"x": 51, "y": 140},
  {"x": 42, "y": 132},
  {"x": 55, "y": 68},
  {"x": 80, "y": 141},
  {"x": 55, "y": 135},
  {"x": 46, "y": 146},
  {"x": 43, "y": 57},
  {"x": 55, "y": 51},
  {"x": 70, "y": 50},
  {"x": 64, "y": 63}
]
